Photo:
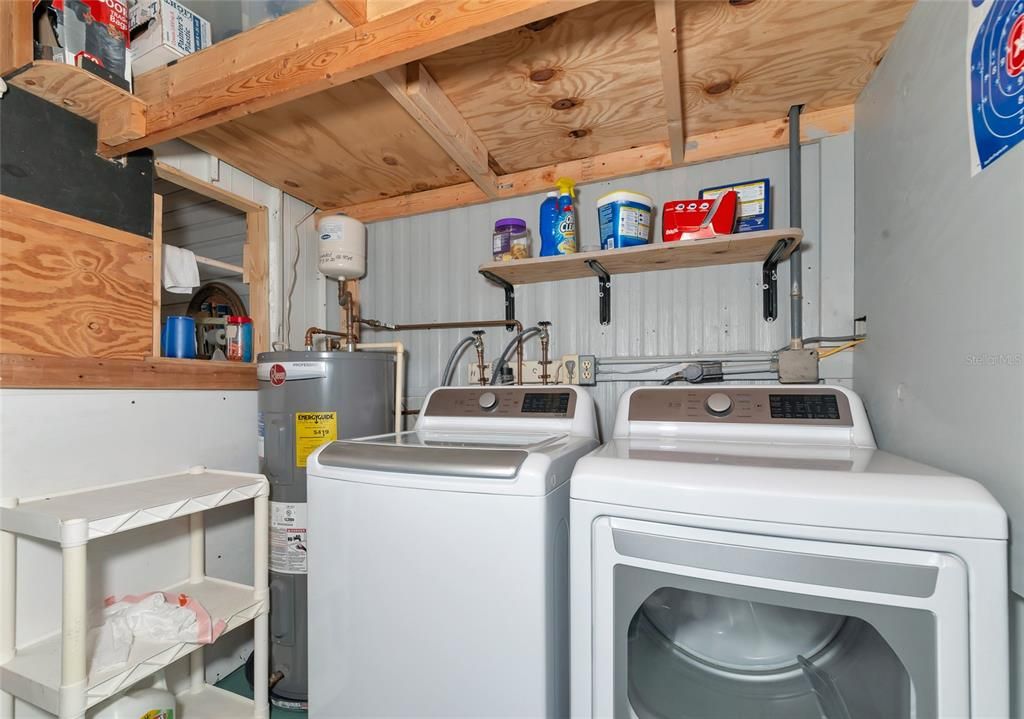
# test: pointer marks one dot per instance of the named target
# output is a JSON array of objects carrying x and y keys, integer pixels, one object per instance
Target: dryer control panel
[
  {"x": 769, "y": 404},
  {"x": 493, "y": 401}
]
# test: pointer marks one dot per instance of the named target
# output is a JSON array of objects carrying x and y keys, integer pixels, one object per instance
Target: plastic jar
[
  {"x": 511, "y": 239},
  {"x": 238, "y": 335},
  {"x": 624, "y": 219}
]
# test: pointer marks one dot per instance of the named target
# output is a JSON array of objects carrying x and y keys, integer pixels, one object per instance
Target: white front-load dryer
[
  {"x": 745, "y": 552},
  {"x": 438, "y": 583}
]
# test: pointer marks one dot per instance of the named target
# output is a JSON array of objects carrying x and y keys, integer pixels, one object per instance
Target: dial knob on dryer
[
  {"x": 488, "y": 400},
  {"x": 718, "y": 404}
]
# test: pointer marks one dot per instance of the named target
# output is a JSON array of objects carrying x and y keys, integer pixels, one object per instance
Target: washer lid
[
  {"x": 450, "y": 454},
  {"x": 841, "y": 487}
]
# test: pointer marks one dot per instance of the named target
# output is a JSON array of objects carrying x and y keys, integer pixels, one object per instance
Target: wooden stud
[
  {"x": 668, "y": 50},
  {"x": 121, "y": 124},
  {"x": 206, "y": 189},
  {"x": 158, "y": 269},
  {"x": 256, "y": 261},
  {"x": 354, "y": 11},
  {"x": 700, "y": 148},
  {"x": 15, "y": 35},
  {"x": 340, "y": 55},
  {"x": 30, "y": 371},
  {"x": 417, "y": 92}
]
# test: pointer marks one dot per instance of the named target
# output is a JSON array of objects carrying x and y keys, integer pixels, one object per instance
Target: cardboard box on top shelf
[{"x": 163, "y": 31}]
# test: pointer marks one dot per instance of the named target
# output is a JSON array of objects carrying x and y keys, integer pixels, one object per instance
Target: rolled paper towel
[{"x": 181, "y": 273}]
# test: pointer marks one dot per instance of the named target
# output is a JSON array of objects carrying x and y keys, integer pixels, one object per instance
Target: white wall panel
[
  {"x": 425, "y": 268},
  {"x": 60, "y": 440}
]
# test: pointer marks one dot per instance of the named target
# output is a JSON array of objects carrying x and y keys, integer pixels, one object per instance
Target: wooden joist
[
  {"x": 415, "y": 90},
  {"x": 15, "y": 35},
  {"x": 658, "y": 156},
  {"x": 668, "y": 52},
  {"x": 354, "y": 11},
  {"x": 208, "y": 92}
]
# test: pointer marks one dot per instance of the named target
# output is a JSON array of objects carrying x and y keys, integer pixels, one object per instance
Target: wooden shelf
[
  {"x": 722, "y": 250},
  {"x": 72, "y": 88},
  {"x": 769, "y": 248}
]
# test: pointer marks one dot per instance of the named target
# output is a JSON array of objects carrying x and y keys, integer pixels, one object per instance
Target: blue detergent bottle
[
  {"x": 548, "y": 218},
  {"x": 562, "y": 232}
]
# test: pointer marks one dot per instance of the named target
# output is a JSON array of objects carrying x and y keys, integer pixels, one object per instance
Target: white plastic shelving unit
[{"x": 53, "y": 673}]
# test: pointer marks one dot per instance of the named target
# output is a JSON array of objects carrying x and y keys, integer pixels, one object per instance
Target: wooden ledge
[
  {"x": 76, "y": 90},
  {"x": 37, "y": 372}
]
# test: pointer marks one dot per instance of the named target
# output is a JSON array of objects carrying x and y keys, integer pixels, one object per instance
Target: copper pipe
[
  {"x": 455, "y": 326},
  {"x": 545, "y": 339},
  {"x": 351, "y": 321},
  {"x": 478, "y": 342},
  {"x": 314, "y": 331},
  {"x": 275, "y": 678}
]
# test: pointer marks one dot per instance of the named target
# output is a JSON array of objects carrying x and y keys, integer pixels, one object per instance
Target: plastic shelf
[
  {"x": 34, "y": 672},
  {"x": 76, "y": 517}
]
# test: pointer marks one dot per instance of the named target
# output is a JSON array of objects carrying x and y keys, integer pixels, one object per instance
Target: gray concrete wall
[{"x": 939, "y": 261}]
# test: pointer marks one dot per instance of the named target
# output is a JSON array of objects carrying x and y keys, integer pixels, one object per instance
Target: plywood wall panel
[{"x": 72, "y": 288}]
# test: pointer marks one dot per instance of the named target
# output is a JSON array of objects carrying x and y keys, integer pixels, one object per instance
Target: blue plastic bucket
[{"x": 625, "y": 219}]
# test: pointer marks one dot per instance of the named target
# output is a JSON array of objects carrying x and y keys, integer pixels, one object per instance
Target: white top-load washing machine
[
  {"x": 438, "y": 559},
  {"x": 746, "y": 551}
]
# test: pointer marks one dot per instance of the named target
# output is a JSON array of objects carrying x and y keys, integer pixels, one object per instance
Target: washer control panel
[
  {"x": 742, "y": 405},
  {"x": 522, "y": 402}
]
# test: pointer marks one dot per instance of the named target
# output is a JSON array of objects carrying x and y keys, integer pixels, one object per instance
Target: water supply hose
[
  {"x": 449, "y": 368},
  {"x": 502, "y": 360}
]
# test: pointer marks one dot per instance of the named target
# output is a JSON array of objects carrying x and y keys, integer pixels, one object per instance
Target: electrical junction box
[
  {"x": 798, "y": 366},
  {"x": 566, "y": 370}
]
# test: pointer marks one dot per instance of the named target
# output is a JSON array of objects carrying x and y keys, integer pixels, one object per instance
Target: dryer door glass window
[{"x": 693, "y": 654}]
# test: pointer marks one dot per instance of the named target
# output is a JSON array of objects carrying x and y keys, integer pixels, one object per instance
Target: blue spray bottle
[{"x": 563, "y": 239}]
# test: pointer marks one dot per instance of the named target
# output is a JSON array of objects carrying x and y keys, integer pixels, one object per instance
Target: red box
[{"x": 699, "y": 219}]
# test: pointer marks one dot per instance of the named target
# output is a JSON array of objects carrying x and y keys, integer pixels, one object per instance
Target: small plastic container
[
  {"x": 239, "y": 338},
  {"x": 625, "y": 219},
  {"x": 511, "y": 239}
]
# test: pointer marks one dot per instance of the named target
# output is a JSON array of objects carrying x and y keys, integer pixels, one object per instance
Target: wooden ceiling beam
[
  {"x": 210, "y": 93},
  {"x": 417, "y": 92},
  {"x": 15, "y": 36},
  {"x": 718, "y": 145},
  {"x": 354, "y": 11},
  {"x": 668, "y": 51}
]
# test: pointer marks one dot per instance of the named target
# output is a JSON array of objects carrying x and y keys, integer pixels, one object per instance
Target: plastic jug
[{"x": 548, "y": 217}]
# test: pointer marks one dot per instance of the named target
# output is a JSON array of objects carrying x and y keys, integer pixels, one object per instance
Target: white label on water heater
[
  {"x": 291, "y": 370},
  {"x": 288, "y": 537}
]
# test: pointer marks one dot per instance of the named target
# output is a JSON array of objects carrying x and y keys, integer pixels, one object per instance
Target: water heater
[
  {"x": 306, "y": 399},
  {"x": 342, "y": 247}
]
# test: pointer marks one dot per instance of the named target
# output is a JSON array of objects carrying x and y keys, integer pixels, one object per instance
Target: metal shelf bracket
[
  {"x": 604, "y": 290},
  {"x": 770, "y": 279},
  {"x": 510, "y": 297}
]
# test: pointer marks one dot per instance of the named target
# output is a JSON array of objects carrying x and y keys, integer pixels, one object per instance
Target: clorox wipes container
[{"x": 624, "y": 219}]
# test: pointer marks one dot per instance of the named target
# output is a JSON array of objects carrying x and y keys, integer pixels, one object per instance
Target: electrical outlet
[{"x": 588, "y": 370}]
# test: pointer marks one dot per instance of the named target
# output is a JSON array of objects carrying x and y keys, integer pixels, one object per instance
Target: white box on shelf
[{"x": 173, "y": 31}]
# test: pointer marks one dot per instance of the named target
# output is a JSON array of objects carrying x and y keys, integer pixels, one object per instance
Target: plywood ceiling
[
  {"x": 352, "y": 143},
  {"x": 581, "y": 84}
]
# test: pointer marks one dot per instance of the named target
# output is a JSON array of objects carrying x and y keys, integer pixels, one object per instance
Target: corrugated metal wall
[{"x": 425, "y": 268}]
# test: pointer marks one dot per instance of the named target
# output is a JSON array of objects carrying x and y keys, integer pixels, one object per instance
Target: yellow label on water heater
[{"x": 311, "y": 430}]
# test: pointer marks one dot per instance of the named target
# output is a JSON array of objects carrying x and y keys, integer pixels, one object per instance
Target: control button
[
  {"x": 488, "y": 400},
  {"x": 718, "y": 404}
]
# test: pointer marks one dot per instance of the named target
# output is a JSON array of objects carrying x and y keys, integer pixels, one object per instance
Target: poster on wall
[{"x": 995, "y": 79}]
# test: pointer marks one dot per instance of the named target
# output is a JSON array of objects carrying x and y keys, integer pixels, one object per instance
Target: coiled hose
[
  {"x": 450, "y": 366},
  {"x": 502, "y": 360}
]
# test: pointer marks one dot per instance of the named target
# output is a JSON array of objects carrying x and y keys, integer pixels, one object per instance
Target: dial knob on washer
[
  {"x": 488, "y": 400},
  {"x": 718, "y": 404}
]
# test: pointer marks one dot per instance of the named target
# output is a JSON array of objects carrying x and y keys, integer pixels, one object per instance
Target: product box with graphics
[
  {"x": 93, "y": 34},
  {"x": 164, "y": 30}
]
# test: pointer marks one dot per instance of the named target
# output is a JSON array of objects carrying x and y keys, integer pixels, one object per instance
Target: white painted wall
[
  {"x": 425, "y": 268},
  {"x": 939, "y": 257},
  {"x": 57, "y": 440}
]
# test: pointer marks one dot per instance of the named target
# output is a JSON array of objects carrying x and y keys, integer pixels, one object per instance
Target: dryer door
[{"x": 693, "y": 623}]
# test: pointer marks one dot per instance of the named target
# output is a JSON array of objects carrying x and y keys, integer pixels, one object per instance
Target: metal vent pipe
[{"x": 796, "y": 296}]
